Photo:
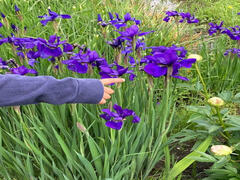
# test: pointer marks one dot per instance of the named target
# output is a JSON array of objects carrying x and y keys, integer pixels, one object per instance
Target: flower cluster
[
  {"x": 22, "y": 70},
  {"x": 184, "y": 17},
  {"x": 52, "y": 16},
  {"x": 116, "y": 21},
  {"x": 83, "y": 60},
  {"x": 115, "y": 70},
  {"x": 215, "y": 28},
  {"x": 233, "y": 51},
  {"x": 165, "y": 58},
  {"x": 232, "y": 32},
  {"x": 115, "y": 120},
  {"x": 34, "y": 48}
]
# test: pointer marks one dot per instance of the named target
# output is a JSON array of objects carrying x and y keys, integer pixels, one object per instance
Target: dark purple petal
[
  {"x": 22, "y": 70},
  {"x": 3, "y": 15},
  {"x": 127, "y": 112},
  {"x": 127, "y": 17},
  {"x": 46, "y": 52},
  {"x": 52, "y": 13},
  {"x": 32, "y": 71},
  {"x": 114, "y": 125},
  {"x": 44, "y": 22},
  {"x": 20, "y": 54},
  {"x": 145, "y": 33},
  {"x": 119, "y": 25},
  {"x": 137, "y": 22},
  {"x": 67, "y": 47},
  {"x": 132, "y": 60},
  {"x": 99, "y": 18},
  {"x": 31, "y": 62},
  {"x": 52, "y": 39},
  {"x": 132, "y": 76},
  {"x": 187, "y": 63},
  {"x": 79, "y": 68},
  {"x": 1, "y": 25},
  {"x": 110, "y": 16},
  {"x": 16, "y": 8},
  {"x": 65, "y": 16},
  {"x": 118, "y": 109},
  {"x": 181, "y": 77},
  {"x": 155, "y": 70},
  {"x": 14, "y": 27},
  {"x": 136, "y": 119}
]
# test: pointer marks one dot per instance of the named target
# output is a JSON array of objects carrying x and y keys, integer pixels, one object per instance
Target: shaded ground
[{"x": 193, "y": 172}]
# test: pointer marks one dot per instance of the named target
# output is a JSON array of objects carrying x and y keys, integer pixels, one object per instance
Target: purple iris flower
[
  {"x": 115, "y": 120},
  {"x": 188, "y": 17},
  {"x": 117, "y": 22},
  {"x": 32, "y": 56},
  {"x": 80, "y": 61},
  {"x": 170, "y": 14},
  {"x": 50, "y": 47},
  {"x": 116, "y": 43},
  {"x": 181, "y": 51},
  {"x": 232, "y": 32},
  {"x": 3, "y": 15},
  {"x": 238, "y": 13},
  {"x": 67, "y": 48},
  {"x": 1, "y": 25},
  {"x": 233, "y": 51},
  {"x": 159, "y": 62},
  {"x": 140, "y": 45},
  {"x": 132, "y": 32},
  {"x": 16, "y": 8},
  {"x": 52, "y": 16},
  {"x": 101, "y": 22},
  {"x": 185, "y": 16},
  {"x": 115, "y": 70},
  {"x": 14, "y": 27},
  {"x": 22, "y": 70},
  {"x": 215, "y": 28}
]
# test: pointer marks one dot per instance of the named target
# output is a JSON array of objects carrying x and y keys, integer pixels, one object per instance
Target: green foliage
[
  {"x": 43, "y": 141},
  {"x": 214, "y": 10}
]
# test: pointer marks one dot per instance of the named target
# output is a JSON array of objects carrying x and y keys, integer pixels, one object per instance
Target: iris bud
[
  {"x": 216, "y": 101},
  {"x": 195, "y": 56},
  {"x": 221, "y": 150}
]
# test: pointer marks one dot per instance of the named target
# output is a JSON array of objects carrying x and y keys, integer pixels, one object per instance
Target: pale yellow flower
[
  {"x": 221, "y": 150},
  {"x": 195, "y": 56},
  {"x": 216, "y": 101}
]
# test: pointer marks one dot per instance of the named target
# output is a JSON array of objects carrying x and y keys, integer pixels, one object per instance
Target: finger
[
  {"x": 108, "y": 90},
  {"x": 103, "y": 101},
  {"x": 106, "y": 96},
  {"x": 112, "y": 80}
]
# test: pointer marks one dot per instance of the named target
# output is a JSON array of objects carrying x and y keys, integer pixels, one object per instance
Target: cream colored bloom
[
  {"x": 216, "y": 101},
  {"x": 221, "y": 150},
  {"x": 195, "y": 56}
]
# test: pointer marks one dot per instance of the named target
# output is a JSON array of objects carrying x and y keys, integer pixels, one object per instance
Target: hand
[{"x": 108, "y": 91}]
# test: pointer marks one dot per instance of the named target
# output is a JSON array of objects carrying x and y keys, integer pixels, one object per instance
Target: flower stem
[
  {"x": 222, "y": 123},
  {"x": 166, "y": 148},
  {"x": 202, "y": 81}
]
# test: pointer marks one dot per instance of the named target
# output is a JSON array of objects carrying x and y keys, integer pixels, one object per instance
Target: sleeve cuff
[{"x": 89, "y": 91}]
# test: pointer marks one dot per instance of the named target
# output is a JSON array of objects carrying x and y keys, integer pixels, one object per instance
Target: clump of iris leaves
[{"x": 44, "y": 141}]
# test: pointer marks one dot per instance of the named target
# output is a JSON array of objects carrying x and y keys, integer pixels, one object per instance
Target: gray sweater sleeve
[{"x": 21, "y": 90}]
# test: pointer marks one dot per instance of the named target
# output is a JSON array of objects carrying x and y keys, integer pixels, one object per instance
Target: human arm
[{"x": 22, "y": 90}]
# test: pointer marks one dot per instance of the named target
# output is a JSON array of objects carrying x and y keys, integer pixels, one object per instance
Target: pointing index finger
[{"x": 112, "y": 80}]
